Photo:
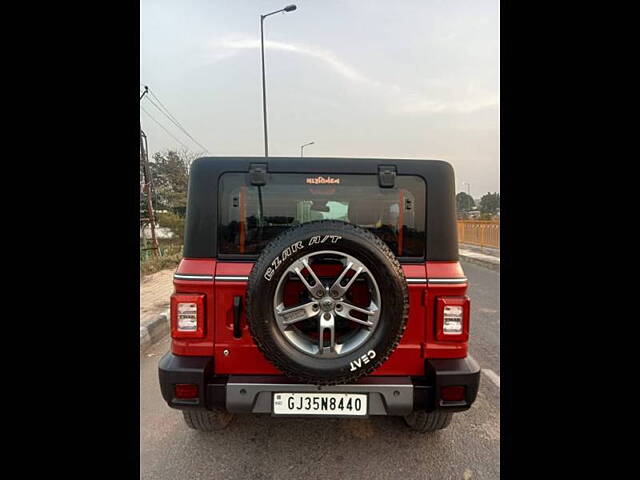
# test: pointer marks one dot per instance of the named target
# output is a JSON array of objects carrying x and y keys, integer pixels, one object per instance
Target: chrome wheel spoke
[
  {"x": 289, "y": 316},
  {"x": 337, "y": 289},
  {"x": 336, "y": 284},
  {"x": 318, "y": 285},
  {"x": 298, "y": 271},
  {"x": 327, "y": 322},
  {"x": 317, "y": 290},
  {"x": 344, "y": 309}
]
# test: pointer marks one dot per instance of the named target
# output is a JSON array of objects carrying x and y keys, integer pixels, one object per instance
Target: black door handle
[{"x": 237, "y": 308}]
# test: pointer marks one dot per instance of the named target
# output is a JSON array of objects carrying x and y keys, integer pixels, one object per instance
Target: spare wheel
[{"x": 327, "y": 302}]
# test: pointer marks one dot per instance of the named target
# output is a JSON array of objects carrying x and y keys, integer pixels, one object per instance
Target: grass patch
[{"x": 170, "y": 256}]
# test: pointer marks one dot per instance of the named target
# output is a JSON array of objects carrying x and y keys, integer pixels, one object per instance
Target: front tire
[
  {"x": 424, "y": 422},
  {"x": 207, "y": 420}
]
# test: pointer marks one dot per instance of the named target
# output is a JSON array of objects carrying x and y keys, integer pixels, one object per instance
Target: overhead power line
[
  {"x": 163, "y": 128},
  {"x": 165, "y": 111},
  {"x": 177, "y": 124}
]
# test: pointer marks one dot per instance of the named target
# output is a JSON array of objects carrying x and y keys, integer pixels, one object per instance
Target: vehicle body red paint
[{"x": 418, "y": 342}]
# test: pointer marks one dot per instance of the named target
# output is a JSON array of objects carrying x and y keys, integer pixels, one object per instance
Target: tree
[
  {"x": 170, "y": 173},
  {"x": 490, "y": 203},
  {"x": 464, "y": 202},
  {"x": 172, "y": 221},
  {"x": 170, "y": 176}
]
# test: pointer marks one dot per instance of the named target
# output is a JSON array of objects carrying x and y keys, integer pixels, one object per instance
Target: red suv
[{"x": 320, "y": 287}]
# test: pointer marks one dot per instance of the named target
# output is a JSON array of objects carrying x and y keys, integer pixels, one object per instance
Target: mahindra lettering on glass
[{"x": 320, "y": 287}]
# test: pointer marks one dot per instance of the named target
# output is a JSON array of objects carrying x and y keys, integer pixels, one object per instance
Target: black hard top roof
[{"x": 202, "y": 203}]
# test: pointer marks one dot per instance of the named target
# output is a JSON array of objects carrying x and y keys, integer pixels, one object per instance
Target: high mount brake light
[
  {"x": 187, "y": 315},
  {"x": 452, "y": 319}
]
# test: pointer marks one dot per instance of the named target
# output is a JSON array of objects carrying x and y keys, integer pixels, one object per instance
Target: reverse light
[
  {"x": 452, "y": 324},
  {"x": 187, "y": 315},
  {"x": 452, "y": 319}
]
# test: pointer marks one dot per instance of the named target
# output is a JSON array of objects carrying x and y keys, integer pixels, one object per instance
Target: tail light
[
  {"x": 452, "y": 319},
  {"x": 187, "y": 315}
]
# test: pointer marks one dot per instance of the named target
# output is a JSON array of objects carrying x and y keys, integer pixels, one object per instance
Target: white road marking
[{"x": 492, "y": 376}]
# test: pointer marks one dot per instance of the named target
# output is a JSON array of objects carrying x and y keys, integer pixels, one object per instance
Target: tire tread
[
  {"x": 423, "y": 422},
  {"x": 207, "y": 420}
]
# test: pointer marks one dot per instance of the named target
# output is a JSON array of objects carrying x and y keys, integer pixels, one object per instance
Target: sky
[{"x": 359, "y": 78}]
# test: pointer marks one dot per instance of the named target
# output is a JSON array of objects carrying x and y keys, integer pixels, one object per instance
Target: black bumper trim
[
  {"x": 173, "y": 369},
  {"x": 441, "y": 372},
  {"x": 213, "y": 389},
  {"x": 254, "y": 394}
]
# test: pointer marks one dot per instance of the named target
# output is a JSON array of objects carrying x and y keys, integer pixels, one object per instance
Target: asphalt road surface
[{"x": 263, "y": 447}]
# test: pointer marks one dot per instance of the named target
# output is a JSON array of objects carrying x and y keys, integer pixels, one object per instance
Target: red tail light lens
[
  {"x": 452, "y": 393},
  {"x": 452, "y": 319},
  {"x": 187, "y": 315},
  {"x": 186, "y": 390}
]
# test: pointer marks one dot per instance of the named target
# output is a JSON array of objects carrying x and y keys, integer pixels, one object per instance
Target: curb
[
  {"x": 487, "y": 261},
  {"x": 154, "y": 330}
]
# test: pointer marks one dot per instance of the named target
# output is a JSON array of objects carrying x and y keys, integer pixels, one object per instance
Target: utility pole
[{"x": 144, "y": 161}]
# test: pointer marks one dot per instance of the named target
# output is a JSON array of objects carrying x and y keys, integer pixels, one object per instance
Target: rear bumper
[{"x": 253, "y": 394}]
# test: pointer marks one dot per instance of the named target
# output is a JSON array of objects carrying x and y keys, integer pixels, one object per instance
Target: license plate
[{"x": 320, "y": 404}]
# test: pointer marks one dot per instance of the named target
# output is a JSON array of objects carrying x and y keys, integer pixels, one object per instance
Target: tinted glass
[{"x": 251, "y": 216}]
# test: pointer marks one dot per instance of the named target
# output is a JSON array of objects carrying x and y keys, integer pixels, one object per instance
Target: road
[{"x": 262, "y": 447}]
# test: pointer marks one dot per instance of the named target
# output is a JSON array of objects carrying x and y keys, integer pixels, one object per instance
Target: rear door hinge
[
  {"x": 258, "y": 173},
  {"x": 387, "y": 175}
]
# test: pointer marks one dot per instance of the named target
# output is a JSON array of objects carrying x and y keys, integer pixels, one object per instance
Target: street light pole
[
  {"x": 264, "y": 93},
  {"x": 288, "y": 8},
  {"x": 305, "y": 145}
]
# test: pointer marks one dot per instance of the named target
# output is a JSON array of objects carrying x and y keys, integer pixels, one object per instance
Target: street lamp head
[{"x": 290, "y": 8}]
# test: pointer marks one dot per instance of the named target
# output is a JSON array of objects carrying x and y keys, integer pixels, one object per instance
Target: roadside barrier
[{"x": 485, "y": 233}]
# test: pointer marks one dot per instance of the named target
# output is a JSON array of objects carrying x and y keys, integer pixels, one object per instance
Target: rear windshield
[{"x": 251, "y": 216}]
